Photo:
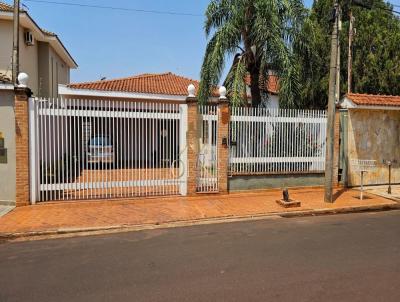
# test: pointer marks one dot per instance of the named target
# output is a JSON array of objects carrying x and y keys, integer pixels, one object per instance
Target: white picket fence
[
  {"x": 87, "y": 149},
  {"x": 277, "y": 141}
]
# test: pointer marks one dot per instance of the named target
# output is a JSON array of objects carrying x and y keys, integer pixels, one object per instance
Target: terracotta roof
[
  {"x": 49, "y": 33},
  {"x": 4, "y": 79},
  {"x": 272, "y": 86},
  {"x": 6, "y": 7},
  {"x": 9, "y": 8},
  {"x": 374, "y": 100},
  {"x": 163, "y": 83}
]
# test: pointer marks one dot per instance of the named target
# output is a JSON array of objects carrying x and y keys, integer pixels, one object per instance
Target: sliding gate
[{"x": 89, "y": 149}]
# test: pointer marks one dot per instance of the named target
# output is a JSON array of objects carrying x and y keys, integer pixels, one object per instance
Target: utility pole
[
  {"x": 337, "y": 94},
  {"x": 15, "y": 52},
  {"x": 350, "y": 53},
  {"x": 330, "y": 131}
]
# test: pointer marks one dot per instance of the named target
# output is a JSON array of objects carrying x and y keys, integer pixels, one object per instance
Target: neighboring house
[
  {"x": 42, "y": 55},
  {"x": 269, "y": 91},
  {"x": 371, "y": 131}
]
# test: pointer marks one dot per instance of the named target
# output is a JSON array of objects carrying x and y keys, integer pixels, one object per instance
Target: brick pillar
[
  {"x": 336, "y": 149},
  {"x": 222, "y": 144},
  {"x": 22, "y": 145},
  {"x": 192, "y": 140}
]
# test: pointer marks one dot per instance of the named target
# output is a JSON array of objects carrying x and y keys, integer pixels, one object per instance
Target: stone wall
[{"x": 374, "y": 135}]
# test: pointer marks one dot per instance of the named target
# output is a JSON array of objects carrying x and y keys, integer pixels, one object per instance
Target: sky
[{"x": 114, "y": 44}]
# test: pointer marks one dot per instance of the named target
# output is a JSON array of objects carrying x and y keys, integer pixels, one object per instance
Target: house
[
  {"x": 269, "y": 91},
  {"x": 164, "y": 90},
  {"x": 42, "y": 54},
  {"x": 164, "y": 86},
  {"x": 371, "y": 131}
]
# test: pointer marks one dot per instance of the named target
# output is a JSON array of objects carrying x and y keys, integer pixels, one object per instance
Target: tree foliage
[
  {"x": 262, "y": 35},
  {"x": 376, "y": 52}
]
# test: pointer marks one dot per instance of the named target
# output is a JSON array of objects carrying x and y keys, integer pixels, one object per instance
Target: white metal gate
[
  {"x": 89, "y": 149},
  {"x": 207, "y": 163}
]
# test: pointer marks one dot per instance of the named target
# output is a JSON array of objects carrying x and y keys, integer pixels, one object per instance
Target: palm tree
[{"x": 261, "y": 35}]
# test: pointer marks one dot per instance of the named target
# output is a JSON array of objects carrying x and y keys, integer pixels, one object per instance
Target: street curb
[
  {"x": 358, "y": 209},
  {"x": 72, "y": 232}
]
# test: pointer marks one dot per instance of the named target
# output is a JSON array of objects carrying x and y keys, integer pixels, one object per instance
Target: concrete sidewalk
[{"x": 95, "y": 216}]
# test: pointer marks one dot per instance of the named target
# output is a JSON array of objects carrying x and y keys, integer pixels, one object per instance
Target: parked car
[{"x": 100, "y": 150}]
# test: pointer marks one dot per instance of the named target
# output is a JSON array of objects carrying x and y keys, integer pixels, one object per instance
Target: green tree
[
  {"x": 376, "y": 52},
  {"x": 261, "y": 35}
]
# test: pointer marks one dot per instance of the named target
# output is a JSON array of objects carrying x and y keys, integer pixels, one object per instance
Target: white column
[
  {"x": 183, "y": 151},
  {"x": 32, "y": 151}
]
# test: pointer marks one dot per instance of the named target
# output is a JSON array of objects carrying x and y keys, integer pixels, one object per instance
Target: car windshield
[{"x": 100, "y": 141}]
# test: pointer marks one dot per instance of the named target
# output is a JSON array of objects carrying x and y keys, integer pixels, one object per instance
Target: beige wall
[
  {"x": 58, "y": 72},
  {"x": 52, "y": 71},
  {"x": 374, "y": 135},
  {"x": 28, "y": 54},
  {"x": 5, "y": 47},
  {"x": 45, "y": 68},
  {"x": 28, "y": 61},
  {"x": 7, "y": 127}
]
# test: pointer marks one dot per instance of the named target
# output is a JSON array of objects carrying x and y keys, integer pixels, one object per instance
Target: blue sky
[{"x": 107, "y": 43}]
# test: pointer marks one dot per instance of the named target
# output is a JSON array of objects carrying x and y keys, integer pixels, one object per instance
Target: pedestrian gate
[{"x": 207, "y": 163}]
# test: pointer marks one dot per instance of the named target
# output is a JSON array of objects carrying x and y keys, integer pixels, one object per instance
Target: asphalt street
[{"x": 354, "y": 257}]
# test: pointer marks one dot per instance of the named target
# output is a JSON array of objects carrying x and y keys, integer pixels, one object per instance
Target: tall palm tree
[{"x": 261, "y": 35}]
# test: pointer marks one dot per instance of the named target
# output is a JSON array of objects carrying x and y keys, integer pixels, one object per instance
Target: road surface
[{"x": 331, "y": 258}]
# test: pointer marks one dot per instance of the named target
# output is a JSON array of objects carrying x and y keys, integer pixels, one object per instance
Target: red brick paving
[{"x": 106, "y": 213}]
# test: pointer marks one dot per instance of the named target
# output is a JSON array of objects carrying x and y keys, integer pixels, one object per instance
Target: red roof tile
[
  {"x": 6, "y": 7},
  {"x": 374, "y": 100},
  {"x": 164, "y": 83},
  {"x": 4, "y": 79},
  {"x": 272, "y": 86},
  {"x": 9, "y": 8}
]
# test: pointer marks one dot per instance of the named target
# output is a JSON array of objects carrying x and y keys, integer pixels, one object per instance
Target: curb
[
  {"x": 72, "y": 232},
  {"x": 349, "y": 210}
]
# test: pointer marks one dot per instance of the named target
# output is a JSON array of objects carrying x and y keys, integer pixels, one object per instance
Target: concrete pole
[
  {"x": 15, "y": 52},
  {"x": 331, "y": 110},
  {"x": 337, "y": 84},
  {"x": 350, "y": 53}
]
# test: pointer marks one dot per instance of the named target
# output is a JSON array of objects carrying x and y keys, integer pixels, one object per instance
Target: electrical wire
[
  {"x": 394, "y": 5},
  {"x": 159, "y": 12},
  {"x": 388, "y": 9}
]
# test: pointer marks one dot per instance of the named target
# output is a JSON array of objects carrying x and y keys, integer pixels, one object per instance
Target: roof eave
[
  {"x": 63, "y": 90},
  {"x": 6, "y": 86},
  {"x": 349, "y": 104}
]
